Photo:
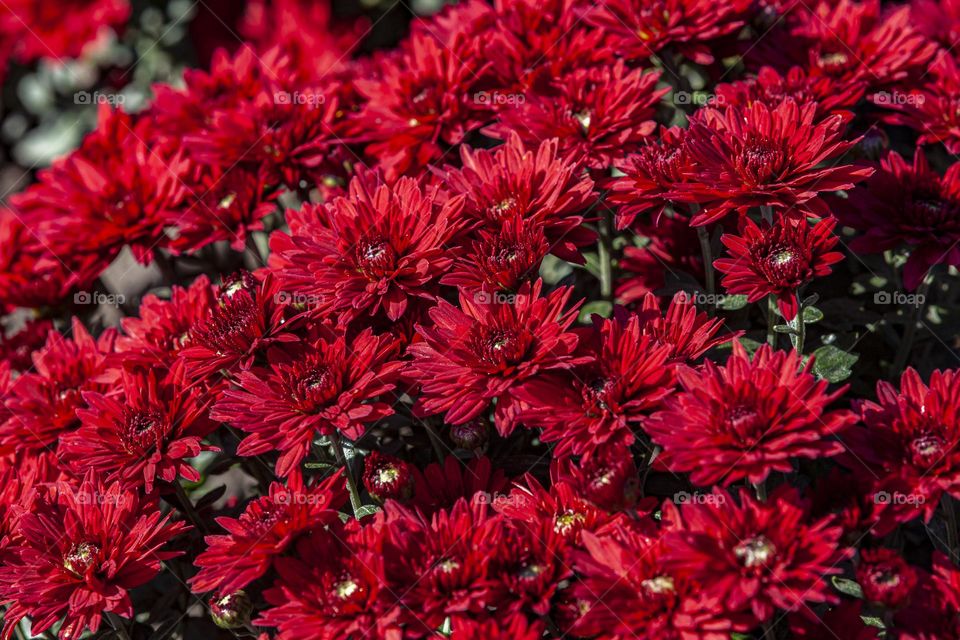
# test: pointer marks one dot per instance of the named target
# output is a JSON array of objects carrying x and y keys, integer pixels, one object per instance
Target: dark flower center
[
  {"x": 754, "y": 552},
  {"x": 314, "y": 387},
  {"x": 503, "y": 208},
  {"x": 930, "y": 212},
  {"x": 926, "y": 450},
  {"x": 142, "y": 431},
  {"x": 834, "y": 61},
  {"x": 375, "y": 258},
  {"x": 783, "y": 266},
  {"x": 744, "y": 422},
  {"x": 232, "y": 327},
  {"x": 760, "y": 160},
  {"x": 501, "y": 347},
  {"x": 81, "y": 558}
]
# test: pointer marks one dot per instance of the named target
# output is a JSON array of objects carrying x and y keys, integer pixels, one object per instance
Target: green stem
[
  {"x": 188, "y": 509},
  {"x": 906, "y": 342},
  {"x": 771, "y": 320},
  {"x": 118, "y": 625},
  {"x": 950, "y": 512},
  {"x": 799, "y": 327},
  {"x": 709, "y": 274},
  {"x": 355, "y": 502},
  {"x": 761, "y": 489},
  {"x": 435, "y": 440}
]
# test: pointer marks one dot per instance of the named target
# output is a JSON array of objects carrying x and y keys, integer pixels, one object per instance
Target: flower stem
[
  {"x": 799, "y": 328},
  {"x": 435, "y": 440},
  {"x": 355, "y": 501},
  {"x": 188, "y": 509},
  {"x": 906, "y": 342},
  {"x": 761, "y": 489},
  {"x": 771, "y": 320},
  {"x": 118, "y": 625},
  {"x": 709, "y": 274}
]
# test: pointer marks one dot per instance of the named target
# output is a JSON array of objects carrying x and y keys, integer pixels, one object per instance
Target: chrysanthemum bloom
[
  {"x": 114, "y": 191},
  {"x": 516, "y": 626},
  {"x": 778, "y": 259},
  {"x": 748, "y": 418},
  {"x": 440, "y": 486},
  {"x": 937, "y": 19},
  {"x": 162, "y": 329},
  {"x": 39, "y": 30},
  {"x": 910, "y": 440},
  {"x": 754, "y": 556},
  {"x": 332, "y": 588},
  {"x": 535, "y": 183},
  {"x": 649, "y": 175},
  {"x": 419, "y": 100},
  {"x": 598, "y": 114},
  {"x": 908, "y": 205},
  {"x": 473, "y": 356},
  {"x": 376, "y": 251},
  {"x": 772, "y": 88},
  {"x": 532, "y": 42},
  {"x": 247, "y": 317},
  {"x": 758, "y": 155},
  {"x": 387, "y": 477},
  {"x": 932, "y": 611},
  {"x": 668, "y": 246},
  {"x": 79, "y": 553},
  {"x": 311, "y": 389},
  {"x": 502, "y": 260},
  {"x": 267, "y": 528},
  {"x": 848, "y": 41},
  {"x": 844, "y": 620},
  {"x": 43, "y": 402},
  {"x": 626, "y": 590},
  {"x": 609, "y": 479},
  {"x": 642, "y": 28},
  {"x": 930, "y": 109},
  {"x": 688, "y": 332},
  {"x": 142, "y": 431},
  {"x": 885, "y": 577},
  {"x": 601, "y": 402},
  {"x": 17, "y": 349},
  {"x": 30, "y": 274}
]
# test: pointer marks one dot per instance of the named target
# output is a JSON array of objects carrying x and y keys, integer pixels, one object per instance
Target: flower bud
[
  {"x": 472, "y": 435},
  {"x": 231, "y": 611},
  {"x": 387, "y": 477}
]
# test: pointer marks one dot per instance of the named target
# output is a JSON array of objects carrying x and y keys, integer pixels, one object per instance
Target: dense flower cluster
[{"x": 543, "y": 323}]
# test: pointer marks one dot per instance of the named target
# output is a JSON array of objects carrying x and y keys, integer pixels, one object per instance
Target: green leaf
[
  {"x": 367, "y": 510},
  {"x": 319, "y": 465},
  {"x": 750, "y": 345},
  {"x": 733, "y": 303},
  {"x": 784, "y": 328},
  {"x": 833, "y": 364},
  {"x": 811, "y": 315},
  {"x": 602, "y": 308},
  {"x": 873, "y": 621},
  {"x": 847, "y": 587}
]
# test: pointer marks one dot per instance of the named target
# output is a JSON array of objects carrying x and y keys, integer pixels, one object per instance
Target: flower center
[
  {"x": 314, "y": 387},
  {"x": 375, "y": 258},
  {"x": 760, "y": 160},
  {"x": 744, "y": 422},
  {"x": 232, "y": 326},
  {"x": 833, "y": 62},
  {"x": 783, "y": 267},
  {"x": 567, "y": 521},
  {"x": 143, "y": 430},
  {"x": 926, "y": 450},
  {"x": 81, "y": 558},
  {"x": 755, "y": 552},
  {"x": 501, "y": 347},
  {"x": 658, "y": 585},
  {"x": 583, "y": 117}
]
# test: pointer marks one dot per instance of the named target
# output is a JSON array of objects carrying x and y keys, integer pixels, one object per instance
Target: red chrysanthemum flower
[
  {"x": 61, "y": 30},
  {"x": 600, "y": 403},
  {"x": 909, "y": 441},
  {"x": 598, "y": 114},
  {"x": 114, "y": 191},
  {"x": 43, "y": 403},
  {"x": 609, "y": 479},
  {"x": 30, "y": 274},
  {"x": 849, "y": 41},
  {"x": 649, "y": 175},
  {"x": 79, "y": 553},
  {"x": 376, "y": 251},
  {"x": 668, "y": 247},
  {"x": 885, "y": 577},
  {"x": 333, "y": 588},
  {"x": 908, "y": 205},
  {"x": 267, "y": 528},
  {"x": 642, "y": 28},
  {"x": 387, "y": 477},
  {"x": 473, "y": 356},
  {"x": 440, "y": 486},
  {"x": 754, "y": 556},
  {"x": 688, "y": 332},
  {"x": 18, "y": 348},
  {"x": 748, "y": 418},
  {"x": 248, "y": 317},
  {"x": 932, "y": 108},
  {"x": 778, "y": 259},
  {"x": 502, "y": 260},
  {"x": 627, "y": 590},
  {"x": 761, "y": 156},
  {"x": 143, "y": 431},
  {"x": 937, "y": 19},
  {"x": 772, "y": 88},
  {"x": 314, "y": 389},
  {"x": 420, "y": 99},
  {"x": 162, "y": 329}
]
